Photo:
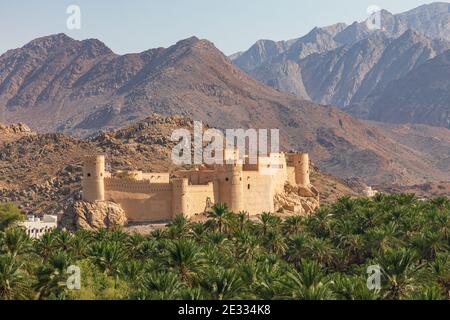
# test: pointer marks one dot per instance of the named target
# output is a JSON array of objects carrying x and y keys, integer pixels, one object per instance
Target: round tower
[
  {"x": 301, "y": 164},
  {"x": 180, "y": 196},
  {"x": 236, "y": 187},
  {"x": 93, "y": 178}
]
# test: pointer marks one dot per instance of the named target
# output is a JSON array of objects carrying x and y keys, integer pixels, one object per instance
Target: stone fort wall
[
  {"x": 141, "y": 199},
  {"x": 146, "y": 201},
  {"x": 157, "y": 197}
]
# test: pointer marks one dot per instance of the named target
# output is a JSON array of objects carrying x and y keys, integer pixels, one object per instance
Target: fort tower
[
  {"x": 180, "y": 196},
  {"x": 93, "y": 178},
  {"x": 300, "y": 161},
  {"x": 236, "y": 188}
]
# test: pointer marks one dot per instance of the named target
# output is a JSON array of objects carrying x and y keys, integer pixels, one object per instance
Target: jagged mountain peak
[
  {"x": 335, "y": 28},
  {"x": 96, "y": 46},
  {"x": 188, "y": 41},
  {"x": 316, "y": 34},
  {"x": 432, "y": 9},
  {"x": 50, "y": 40},
  {"x": 58, "y": 42}
]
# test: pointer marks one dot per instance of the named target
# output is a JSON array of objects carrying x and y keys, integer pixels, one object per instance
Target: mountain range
[
  {"x": 355, "y": 68},
  {"x": 58, "y": 84}
]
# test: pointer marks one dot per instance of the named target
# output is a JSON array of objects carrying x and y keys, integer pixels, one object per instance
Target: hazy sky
[{"x": 137, "y": 25}]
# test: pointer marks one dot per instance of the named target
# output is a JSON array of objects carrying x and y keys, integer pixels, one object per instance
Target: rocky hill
[{"x": 42, "y": 172}]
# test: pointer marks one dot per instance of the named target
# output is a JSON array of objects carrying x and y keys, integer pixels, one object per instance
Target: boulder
[
  {"x": 93, "y": 216},
  {"x": 297, "y": 199}
]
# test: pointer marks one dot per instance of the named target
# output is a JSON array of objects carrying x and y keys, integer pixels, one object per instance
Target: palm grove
[{"x": 322, "y": 256}]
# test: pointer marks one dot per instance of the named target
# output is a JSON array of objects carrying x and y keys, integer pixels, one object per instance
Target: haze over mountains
[
  {"x": 344, "y": 65},
  {"x": 57, "y": 84}
]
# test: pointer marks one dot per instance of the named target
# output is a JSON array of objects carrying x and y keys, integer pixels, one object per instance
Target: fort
[{"x": 147, "y": 197}]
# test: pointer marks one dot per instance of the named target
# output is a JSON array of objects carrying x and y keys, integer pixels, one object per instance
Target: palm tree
[
  {"x": 319, "y": 223},
  {"x": 432, "y": 292},
  {"x": 108, "y": 256},
  {"x": 133, "y": 271},
  {"x": 159, "y": 234},
  {"x": 216, "y": 238},
  {"x": 404, "y": 199},
  {"x": 14, "y": 241},
  {"x": 352, "y": 288},
  {"x": 440, "y": 202},
  {"x": 321, "y": 256},
  {"x": 179, "y": 227},
  {"x": 219, "y": 214},
  {"x": 293, "y": 224},
  {"x": 242, "y": 218},
  {"x": 218, "y": 255},
  {"x": 441, "y": 223},
  {"x": 193, "y": 294},
  {"x": 353, "y": 245},
  {"x": 428, "y": 245},
  {"x": 268, "y": 220},
  {"x": 344, "y": 206},
  {"x": 400, "y": 269},
  {"x": 262, "y": 278},
  {"x": 134, "y": 244},
  {"x": 145, "y": 250},
  {"x": 274, "y": 241},
  {"x": 46, "y": 245},
  {"x": 246, "y": 245},
  {"x": 185, "y": 258},
  {"x": 308, "y": 284},
  {"x": 321, "y": 251},
  {"x": 117, "y": 236},
  {"x": 198, "y": 230},
  {"x": 223, "y": 285},
  {"x": 13, "y": 280},
  {"x": 52, "y": 277},
  {"x": 160, "y": 286},
  {"x": 64, "y": 240},
  {"x": 383, "y": 238},
  {"x": 440, "y": 271},
  {"x": 297, "y": 248}
]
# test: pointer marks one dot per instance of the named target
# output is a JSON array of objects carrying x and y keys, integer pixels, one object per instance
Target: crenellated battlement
[{"x": 130, "y": 185}]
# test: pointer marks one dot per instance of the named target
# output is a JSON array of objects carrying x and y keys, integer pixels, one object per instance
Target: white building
[
  {"x": 36, "y": 227},
  {"x": 369, "y": 192}
]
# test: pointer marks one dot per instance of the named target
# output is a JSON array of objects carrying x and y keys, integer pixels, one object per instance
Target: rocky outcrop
[
  {"x": 297, "y": 199},
  {"x": 93, "y": 216},
  {"x": 15, "y": 129},
  {"x": 13, "y": 132}
]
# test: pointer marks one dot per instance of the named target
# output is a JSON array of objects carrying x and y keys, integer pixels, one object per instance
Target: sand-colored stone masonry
[{"x": 161, "y": 196}]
